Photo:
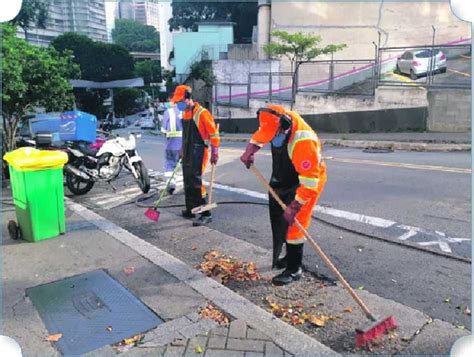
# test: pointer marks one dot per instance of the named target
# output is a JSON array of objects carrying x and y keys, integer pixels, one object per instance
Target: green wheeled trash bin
[{"x": 36, "y": 177}]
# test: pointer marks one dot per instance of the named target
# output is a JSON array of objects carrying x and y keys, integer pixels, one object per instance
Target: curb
[
  {"x": 393, "y": 145},
  {"x": 282, "y": 334}
]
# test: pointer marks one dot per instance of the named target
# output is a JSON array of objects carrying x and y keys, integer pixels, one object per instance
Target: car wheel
[
  {"x": 443, "y": 70},
  {"x": 397, "y": 70},
  {"x": 413, "y": 75}
]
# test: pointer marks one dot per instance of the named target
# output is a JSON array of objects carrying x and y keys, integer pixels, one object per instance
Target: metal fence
[
  {"x": 231, "y": 94},
  {"x": 352, "y": 77},
  {"x": 271, "y": 86},
  {"x": 440, "y": 66}
]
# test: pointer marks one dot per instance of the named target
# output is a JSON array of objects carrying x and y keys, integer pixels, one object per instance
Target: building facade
[
  {"x": 86, "y": 17},
  {"x": 144, "y": 11}
]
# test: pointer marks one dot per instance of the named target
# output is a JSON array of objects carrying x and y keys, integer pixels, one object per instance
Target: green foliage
[
  {"x": 32, "y": 13},
  {"x": 202, "y": 70},
  {"x": 150, "y": 71},
  {"x": 98, "y": 61},
  {"x": 186, "y": 14},
  {"x": 125, "y": 101},
  {"x": 135, "y": 36},
  {"x": 299, "y": 47},
  {"x": 32, "y": 77}
]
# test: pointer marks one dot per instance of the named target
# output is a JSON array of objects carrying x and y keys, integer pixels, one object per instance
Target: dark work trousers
[
  {"x": 285, "y": 182},
  {"x": 193, "y": 155}
]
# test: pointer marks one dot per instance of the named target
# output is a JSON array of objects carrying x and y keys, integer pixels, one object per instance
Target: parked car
[
  {"x": 147, "y": 120},
  {"x": 417, "y": 62}
]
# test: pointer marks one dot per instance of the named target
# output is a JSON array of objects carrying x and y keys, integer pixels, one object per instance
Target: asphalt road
[{"x": 387, "y": 214}]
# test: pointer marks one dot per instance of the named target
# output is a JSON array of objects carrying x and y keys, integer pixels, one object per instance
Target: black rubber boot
[
  {"x": 282, "y": 263},
  {"x": 187, "y": 214},
  {"x": 204, "y": 218},
  {"x": 293, "y": 271}
]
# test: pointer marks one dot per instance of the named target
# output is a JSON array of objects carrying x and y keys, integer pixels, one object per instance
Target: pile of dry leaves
[
  {"x": 225, "y": 268},
  {"x": 213, "y": 313},
  {"x": 297, "y": 314}
]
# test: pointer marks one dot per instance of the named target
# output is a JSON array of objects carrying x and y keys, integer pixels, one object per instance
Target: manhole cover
[{"x": 90, "y": 310}]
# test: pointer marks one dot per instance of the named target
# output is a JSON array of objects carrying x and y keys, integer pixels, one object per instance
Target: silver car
[{"x": 418, "y": 62}]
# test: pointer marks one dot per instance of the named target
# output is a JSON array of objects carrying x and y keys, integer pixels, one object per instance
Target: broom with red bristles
[{"x": 376, "y": 327}]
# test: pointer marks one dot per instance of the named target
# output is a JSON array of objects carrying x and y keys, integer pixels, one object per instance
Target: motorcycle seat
[{"x": 86, "y": 149}]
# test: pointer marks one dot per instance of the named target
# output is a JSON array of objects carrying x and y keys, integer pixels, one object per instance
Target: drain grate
[{"x": 90, "y": 310}]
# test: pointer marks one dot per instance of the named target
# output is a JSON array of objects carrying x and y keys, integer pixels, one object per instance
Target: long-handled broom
[
  {"x": 210, "y": 205},
  {"x": 153, "y": 213},
  {"x": 377, "y": 327}
]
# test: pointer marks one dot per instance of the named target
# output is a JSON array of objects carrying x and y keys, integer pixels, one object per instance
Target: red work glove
[
  {"x": 247, "y": 157},
  {"x": 214, "y": 154},
  {"x": 291, "y": 211}
]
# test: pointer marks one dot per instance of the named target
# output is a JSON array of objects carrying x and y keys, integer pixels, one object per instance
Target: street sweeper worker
[
  {"x": 298, "y": 177},
  {"x": 172, "y": 127},
  {"x": 199, "y": 132}
]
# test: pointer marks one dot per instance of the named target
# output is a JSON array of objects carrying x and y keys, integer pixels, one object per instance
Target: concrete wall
[
  {"x": 449, "y": 110},
  {"x": 401, "y": 23}
]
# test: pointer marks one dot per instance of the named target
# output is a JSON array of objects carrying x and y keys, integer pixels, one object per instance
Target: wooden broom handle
[
  {"x": 213, "y": 172},
  {"x": 316, "y": 247}
]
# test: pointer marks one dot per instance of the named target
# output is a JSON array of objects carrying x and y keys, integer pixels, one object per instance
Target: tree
[
  {"x": 32, "y": 77},
  {"x": 125, "y": 101},
  {"x": 202, "y": 71},
  {"x": 135, "y": 36},
  {"x": 298, "y": 48},
  {"x": 98, "y": 61},
  {"x": 186, "y": 14},
  {"x": 149, "y": 70},
  {"x": 33, "y": 12}
]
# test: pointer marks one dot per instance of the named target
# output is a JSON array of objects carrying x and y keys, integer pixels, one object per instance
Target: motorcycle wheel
[
  {"x": 78, "y": 186},
  {"x": 143, "y": 179}
]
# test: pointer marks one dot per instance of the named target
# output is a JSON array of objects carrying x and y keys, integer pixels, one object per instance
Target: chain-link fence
[
  {"x": 445, "y": 66},
  {"x": 354, "y": 77}
]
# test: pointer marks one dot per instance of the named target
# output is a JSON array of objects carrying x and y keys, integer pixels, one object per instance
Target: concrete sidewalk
[
  {"x": 169, "y": 287},
  {"x": 406, "y": 141}
]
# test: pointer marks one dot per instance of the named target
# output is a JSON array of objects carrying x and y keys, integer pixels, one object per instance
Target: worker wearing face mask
[
  {"x": 199, "y": 132},
  {"x": 298, "y": 177}
]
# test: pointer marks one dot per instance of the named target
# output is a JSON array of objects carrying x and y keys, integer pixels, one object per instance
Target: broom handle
[
  {"x": 162, "y": 194},
  {"x": 316, "y": 247},
  {"x": 213, "y": 171}
]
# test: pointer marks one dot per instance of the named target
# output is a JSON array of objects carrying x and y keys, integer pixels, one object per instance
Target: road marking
[
  {"x": 402, "y": 165},
  {"x": 430, "y": 238},
  {"x": 459, "y": 72},
  {"x": 466, "y": 57}
]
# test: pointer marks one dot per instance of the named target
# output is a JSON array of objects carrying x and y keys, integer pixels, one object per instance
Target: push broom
[
  {"x": 376, "y": 327},
  {"x": 210, "y": 205},
  {"x": 152, "y": 213}
]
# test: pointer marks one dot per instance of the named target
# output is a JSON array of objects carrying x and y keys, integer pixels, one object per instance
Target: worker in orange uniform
[
  {"x": 199, "y": 130},
  {"x": 298, "y": 177}
]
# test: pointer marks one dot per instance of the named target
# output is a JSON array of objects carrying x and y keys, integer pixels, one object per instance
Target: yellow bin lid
[{"x": 31, "y": 159}]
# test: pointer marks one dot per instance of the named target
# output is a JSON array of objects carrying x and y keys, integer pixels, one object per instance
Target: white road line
[{"x": 441, "y": 239}]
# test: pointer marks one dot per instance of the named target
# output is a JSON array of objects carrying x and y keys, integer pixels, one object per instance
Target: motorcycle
[{"x": 88, "y": 165}]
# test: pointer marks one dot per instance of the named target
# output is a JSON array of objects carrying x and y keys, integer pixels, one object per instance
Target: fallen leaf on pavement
[
  {"x": 54, "y": 338},
  {"x": 447, "y": 300},
  {"x": 467, "y": 311},
  {"x": 128, "y": 270},
  {"x": 348, "y": 309},
  {"x": 461, "y": 327},
  {"x": 360, "y": 288},
  {"x": 198, "y": 349},
  {"x": 194, "y": 248},
  {"x": 211, "y": 312},
  {"x": 227, "y": 268},
  {"x": 316, "y": 321},
  {"x": 109, "y": 328}
]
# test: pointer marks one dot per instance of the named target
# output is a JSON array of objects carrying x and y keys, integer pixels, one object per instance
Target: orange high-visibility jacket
[
  {"x": 205, "y": 124},
  {"x": 304, "y": 150}
]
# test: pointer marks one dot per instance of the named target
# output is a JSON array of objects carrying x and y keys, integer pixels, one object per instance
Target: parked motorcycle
[{"x": 88, "y": 165}]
